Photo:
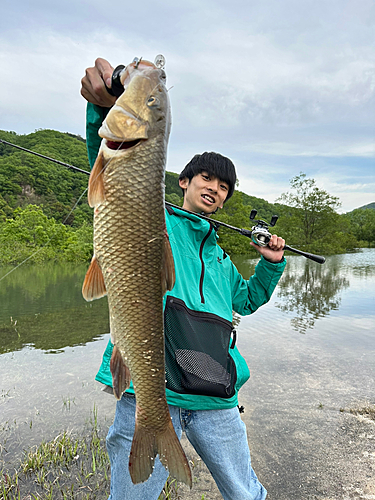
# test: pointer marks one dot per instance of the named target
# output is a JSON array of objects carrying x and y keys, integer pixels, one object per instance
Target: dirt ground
[
  {"x": 310, "y": 417},
  {"x": 331, "y": 457}
]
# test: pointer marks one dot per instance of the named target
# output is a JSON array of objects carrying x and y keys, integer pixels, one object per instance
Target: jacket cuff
[{"x": 279, "y": 262}]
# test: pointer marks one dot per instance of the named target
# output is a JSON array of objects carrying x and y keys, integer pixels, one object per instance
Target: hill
[
  {"x": 369, "y": 205},
  {"x": 41, "y": 201},
  {"x": 26, "y": 179}
]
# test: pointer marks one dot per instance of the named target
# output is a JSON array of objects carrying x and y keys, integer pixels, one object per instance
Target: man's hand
[
  {"x": 93, "y": 84},
  {"x": 274, "y": 251}
]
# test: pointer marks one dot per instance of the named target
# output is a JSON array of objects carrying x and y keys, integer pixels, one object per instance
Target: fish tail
[
  {"x": 172, "y": 456},
  {"x": 146, "y": 446}
]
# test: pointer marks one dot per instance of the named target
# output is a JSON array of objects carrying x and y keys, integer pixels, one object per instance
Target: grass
[{"x": 69, "y": 467}]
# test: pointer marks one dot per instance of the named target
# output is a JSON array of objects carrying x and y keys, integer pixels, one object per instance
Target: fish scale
[
  {"x": 131, "y": 251},
  {"x": 133, "y": 262}
]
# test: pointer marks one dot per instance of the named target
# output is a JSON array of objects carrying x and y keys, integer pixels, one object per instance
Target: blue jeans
[{"x": 218, "y": 436}]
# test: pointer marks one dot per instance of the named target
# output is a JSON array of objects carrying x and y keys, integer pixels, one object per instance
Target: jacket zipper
[{"x": 202, "y": 263}]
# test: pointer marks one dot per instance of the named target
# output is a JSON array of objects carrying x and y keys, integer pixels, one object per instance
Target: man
[{"x": 204, "y": 369}]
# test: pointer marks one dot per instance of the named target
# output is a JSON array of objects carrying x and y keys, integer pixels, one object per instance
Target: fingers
[
  {"x": 276, "y": 243},
  {"x": 105, "y": 69},
  {"x": 93, "y": 84},
  {"x": 273, "y": 252}
]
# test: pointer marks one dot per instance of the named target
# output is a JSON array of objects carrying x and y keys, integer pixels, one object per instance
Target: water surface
[{"x": 311, "y": 352}]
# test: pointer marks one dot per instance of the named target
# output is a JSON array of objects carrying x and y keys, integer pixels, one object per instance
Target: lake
[{"x": 311, "y": 352}]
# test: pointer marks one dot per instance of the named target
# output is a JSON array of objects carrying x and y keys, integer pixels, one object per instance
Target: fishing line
[
  {"x": 67, "y": 165},
  {"x": 75, "y": 205},
  {"x": 72, "y": 167},
  {"x": 45, "y": 244}
]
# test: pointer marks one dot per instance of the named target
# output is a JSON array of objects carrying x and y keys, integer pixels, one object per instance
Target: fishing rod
[
  {"x": 259, "y": 233},
  {"x": 45, "y": 157}
]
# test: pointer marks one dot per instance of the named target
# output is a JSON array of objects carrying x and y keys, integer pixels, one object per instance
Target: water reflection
[
  {"x": 310, "y": 291},
  {"x": 42, "y": 306},
  {"x": 367, "y": 271}
]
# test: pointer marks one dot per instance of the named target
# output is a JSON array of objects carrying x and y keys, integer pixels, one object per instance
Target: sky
[{"x": 280, "y": 87}]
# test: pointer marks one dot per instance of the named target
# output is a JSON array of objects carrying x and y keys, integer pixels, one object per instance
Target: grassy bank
[{"x": 68, "y": 467}]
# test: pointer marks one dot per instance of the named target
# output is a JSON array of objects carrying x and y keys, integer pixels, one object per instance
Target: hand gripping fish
[{"x": 133, "y": 262}]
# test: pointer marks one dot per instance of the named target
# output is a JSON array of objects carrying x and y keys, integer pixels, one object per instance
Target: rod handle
[{"x": 316, "y": 258}]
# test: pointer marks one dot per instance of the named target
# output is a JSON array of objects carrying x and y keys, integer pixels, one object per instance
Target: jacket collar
[{"x": 198, "y": 224}]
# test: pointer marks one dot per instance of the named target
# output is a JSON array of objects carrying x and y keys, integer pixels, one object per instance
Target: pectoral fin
[
  {"x": 93, "y": 286},
  {"x": 96, "y": 194}
]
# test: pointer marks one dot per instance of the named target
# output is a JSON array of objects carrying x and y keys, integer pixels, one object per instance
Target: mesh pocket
[{"x": 196, "y": 349}]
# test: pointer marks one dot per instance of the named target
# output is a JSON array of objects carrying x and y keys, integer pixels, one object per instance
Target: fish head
[{"x": 142, "y": 111}]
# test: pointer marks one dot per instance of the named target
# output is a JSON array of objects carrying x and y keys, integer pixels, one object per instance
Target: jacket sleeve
[
  {"x": 104, "y": 374},
  {"x": 94, "y": 119},
  {"x": 249, "y": 295}
]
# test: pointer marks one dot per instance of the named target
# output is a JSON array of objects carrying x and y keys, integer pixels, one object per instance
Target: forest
[{"x": 44, "y": 213}]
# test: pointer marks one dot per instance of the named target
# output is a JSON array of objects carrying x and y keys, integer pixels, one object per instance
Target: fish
[{"x": 133, "y": 261}]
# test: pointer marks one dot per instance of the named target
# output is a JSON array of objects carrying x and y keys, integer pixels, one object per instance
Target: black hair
[{"x": 214, "y": 164}]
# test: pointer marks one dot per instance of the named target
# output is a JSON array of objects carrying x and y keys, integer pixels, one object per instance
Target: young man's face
[{"x": 204, "y": 193}]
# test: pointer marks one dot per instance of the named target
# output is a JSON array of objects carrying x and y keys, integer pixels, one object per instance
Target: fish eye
[{"x": 153, "y": 101}]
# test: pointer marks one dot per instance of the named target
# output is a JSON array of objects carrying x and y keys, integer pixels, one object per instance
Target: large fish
[{"x": 133, "y": 262}]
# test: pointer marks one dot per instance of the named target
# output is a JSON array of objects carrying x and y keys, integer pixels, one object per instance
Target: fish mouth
[{"x": 116, "y": 145}]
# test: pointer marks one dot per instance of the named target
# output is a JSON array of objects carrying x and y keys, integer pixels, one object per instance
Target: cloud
[{"x": 280, "y": 87}]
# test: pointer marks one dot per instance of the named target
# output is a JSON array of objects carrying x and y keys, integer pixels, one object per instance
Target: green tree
[
  {"x": 171, "y": 184},
  {"x": 309, "y": 218},
  {"x": 362, "y": 223},
  {"x": 27, "y": 179},
  {"x": 314, "y": 209},
  {"x": 79, "y": 245},
  {"x": 30, "y": 234},
  {"x": 5, "y": 209},
  {"x": 234, "y": 213},
  {"x": 174, "y": 198}
]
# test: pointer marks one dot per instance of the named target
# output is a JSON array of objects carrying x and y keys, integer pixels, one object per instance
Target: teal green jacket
[{"x": 209, "y": 286}]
